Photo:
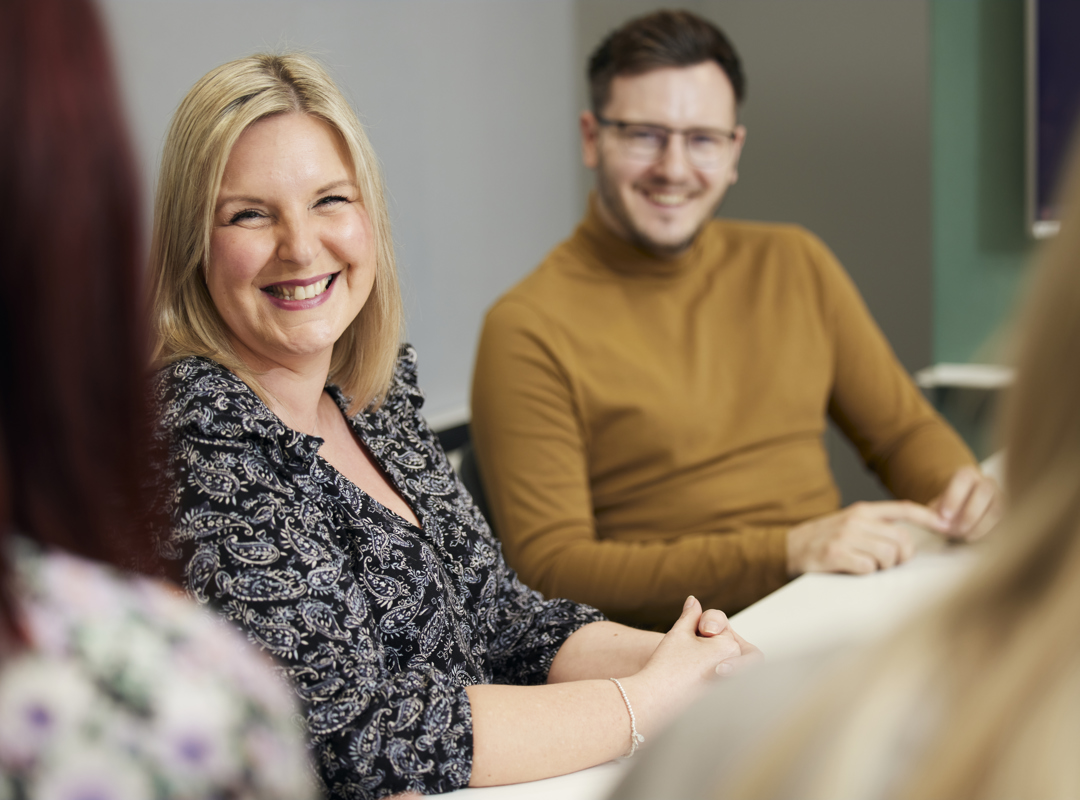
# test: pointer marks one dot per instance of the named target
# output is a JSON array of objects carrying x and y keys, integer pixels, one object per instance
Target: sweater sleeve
[
  {"x": 532, "y": 451},
  {"x": 266, "y": 557},
  {"x": 874, "y": 401}
]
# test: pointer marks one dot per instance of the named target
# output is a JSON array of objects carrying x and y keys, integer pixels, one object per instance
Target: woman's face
[{"x": 292, "y": 253}]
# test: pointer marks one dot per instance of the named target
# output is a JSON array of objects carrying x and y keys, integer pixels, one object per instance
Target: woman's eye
[
  {"x": 331, "y": 200},
  {"x": 244, "y": 216}
]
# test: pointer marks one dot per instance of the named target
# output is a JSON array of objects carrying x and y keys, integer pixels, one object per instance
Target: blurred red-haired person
[{"x": 111, "y": 684}]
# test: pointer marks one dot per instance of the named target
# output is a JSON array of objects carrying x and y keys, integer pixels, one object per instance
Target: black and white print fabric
[{"x": 379, "y": 624}]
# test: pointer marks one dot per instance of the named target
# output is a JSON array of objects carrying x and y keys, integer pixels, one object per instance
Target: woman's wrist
[
  {"x": 641, "y": 696},
  {"x": 636, "y": 739}
]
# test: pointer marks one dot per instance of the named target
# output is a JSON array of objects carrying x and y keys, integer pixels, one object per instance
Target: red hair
[{"x": 73, "y": 355}]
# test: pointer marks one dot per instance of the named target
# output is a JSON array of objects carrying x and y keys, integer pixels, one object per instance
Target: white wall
[{"x": 470, "y": 105}]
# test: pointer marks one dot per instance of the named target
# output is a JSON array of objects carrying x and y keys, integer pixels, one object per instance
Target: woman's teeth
[{"x": 299, "y": 292}]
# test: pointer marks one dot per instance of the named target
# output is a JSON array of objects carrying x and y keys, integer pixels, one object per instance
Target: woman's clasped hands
[{"x": 700, "y": 646}]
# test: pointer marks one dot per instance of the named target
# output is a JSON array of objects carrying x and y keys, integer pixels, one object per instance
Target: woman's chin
[{"x": 292, "y": 354}]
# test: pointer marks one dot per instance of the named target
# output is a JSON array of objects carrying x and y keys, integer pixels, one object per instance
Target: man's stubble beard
[{"x": 612, "y": 200}]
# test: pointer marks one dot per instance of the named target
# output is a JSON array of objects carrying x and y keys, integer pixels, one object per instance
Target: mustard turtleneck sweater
[{"x": 647, "y": 429}]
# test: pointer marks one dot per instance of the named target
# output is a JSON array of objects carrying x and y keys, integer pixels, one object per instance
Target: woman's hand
[
  {"x": 714, "y": 622},
  {"x": 699, "y": 646},
  {"x": 523, "y": 733}
]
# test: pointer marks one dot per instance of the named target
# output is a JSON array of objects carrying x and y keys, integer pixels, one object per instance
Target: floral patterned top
[
  {"x": 131, "y": 691},
  {"x": 380, "y": 624}
]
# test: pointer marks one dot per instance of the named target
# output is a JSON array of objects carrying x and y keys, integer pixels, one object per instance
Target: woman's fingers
[
  {"x": 711, "y": 622},
  {"x": 730, "y": 666},
  {"x": 748, "y": 656},
  {"x": 688, "y": 619}
]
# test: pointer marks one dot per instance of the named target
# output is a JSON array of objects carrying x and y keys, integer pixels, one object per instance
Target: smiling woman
[
  {"x": 292, "y": 257},
  {"x": 310, "y": 503},
  {"x": 206, "y": 174}
]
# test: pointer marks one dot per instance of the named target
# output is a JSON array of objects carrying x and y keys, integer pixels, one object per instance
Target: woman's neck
[
  {"x": 296, "y": 398},
  {"x": 294, "y": 389}
]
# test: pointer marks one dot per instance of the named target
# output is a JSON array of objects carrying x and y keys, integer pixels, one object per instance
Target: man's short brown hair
[{"x": 657, "y": 40}]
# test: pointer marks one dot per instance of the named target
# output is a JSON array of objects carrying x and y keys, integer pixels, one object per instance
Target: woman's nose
[{"x": 299, "y": 243}]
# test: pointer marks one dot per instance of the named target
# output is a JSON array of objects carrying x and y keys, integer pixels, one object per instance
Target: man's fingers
[
  {"x": 955, "y": 497},
  {"x": 885, "y": 544},
  {"x": 981, "y": 511},
  {"x": 902, "y": 511},
  {"x": 986, "y": 524},
  {"x": 834, "y": 543},
  {"x": 898, "y": 537},
  {"x": 855, "y": 561},
  {"x": 869, "y": 544},
  {"x": 975, "y": 506}
]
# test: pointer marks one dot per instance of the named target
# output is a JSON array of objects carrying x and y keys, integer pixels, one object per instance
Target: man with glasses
[{"x": 649, "y": 404}]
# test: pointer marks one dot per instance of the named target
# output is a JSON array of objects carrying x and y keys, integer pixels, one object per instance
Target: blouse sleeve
[
  {"x": 529, "y": 630},
  {"x": 524, "y": 631},
  {"x": 265, "y": 555}
]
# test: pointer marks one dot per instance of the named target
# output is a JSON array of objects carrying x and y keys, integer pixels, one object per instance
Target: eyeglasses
[{"x": 707, "y": 148}]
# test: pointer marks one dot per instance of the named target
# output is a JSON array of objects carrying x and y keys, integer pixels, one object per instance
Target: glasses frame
[{"x": 621, "y": 125}]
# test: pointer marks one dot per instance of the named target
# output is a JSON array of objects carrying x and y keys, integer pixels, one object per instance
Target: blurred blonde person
[{"x": 980, "y": 698}]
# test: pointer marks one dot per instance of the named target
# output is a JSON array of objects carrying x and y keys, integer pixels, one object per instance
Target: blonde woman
[
  {"x": 981, "y": 698},
  {"x": 311, "y": 504}
]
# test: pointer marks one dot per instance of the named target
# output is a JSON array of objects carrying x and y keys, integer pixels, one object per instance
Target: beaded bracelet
[{"x": 635, "y": 737}]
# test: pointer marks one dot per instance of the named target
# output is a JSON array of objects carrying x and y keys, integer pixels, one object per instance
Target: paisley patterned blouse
[{"x": 379, "y": 624}]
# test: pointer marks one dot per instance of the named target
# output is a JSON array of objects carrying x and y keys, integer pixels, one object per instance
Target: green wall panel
[{"x": 980, "y": 247}]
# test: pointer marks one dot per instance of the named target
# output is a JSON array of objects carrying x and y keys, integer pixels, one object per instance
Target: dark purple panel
[{"x": 1058, "y": 97}]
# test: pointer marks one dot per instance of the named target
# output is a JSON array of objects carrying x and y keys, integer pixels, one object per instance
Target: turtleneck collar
[{"x": 609, "y": 251}]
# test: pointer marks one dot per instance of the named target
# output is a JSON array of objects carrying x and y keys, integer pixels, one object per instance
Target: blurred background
[{"x": 893, "y": 129}]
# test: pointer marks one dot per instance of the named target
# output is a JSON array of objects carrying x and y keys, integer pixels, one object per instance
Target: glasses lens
[
  {"x": 707, "y": 149},
  {"x": 643, "y": 141}
]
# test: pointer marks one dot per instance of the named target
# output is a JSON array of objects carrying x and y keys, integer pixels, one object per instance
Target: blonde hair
[
  {"x": 993, "y": 678},
  {"x": 213, "y": 115}
]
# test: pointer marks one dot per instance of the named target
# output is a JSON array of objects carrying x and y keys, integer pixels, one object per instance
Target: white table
[
  {"x": 819, "y": 610},
  {"x": 811, "y": 612},
  {"x": 594, "y": 783}
]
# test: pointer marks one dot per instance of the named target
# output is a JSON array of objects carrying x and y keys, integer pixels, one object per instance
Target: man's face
[{"x": 660, "y": 205}]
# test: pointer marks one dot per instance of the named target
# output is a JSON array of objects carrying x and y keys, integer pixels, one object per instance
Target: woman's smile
[{"x": 300, "y": 295}]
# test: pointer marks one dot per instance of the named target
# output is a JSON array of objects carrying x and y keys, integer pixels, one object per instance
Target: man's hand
[
  {"x": 862, "y": 538},
  {"x": 970, "y": 505}
]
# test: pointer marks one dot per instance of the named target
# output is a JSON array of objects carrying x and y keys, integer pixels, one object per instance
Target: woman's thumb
[{"x": 691, "y": 610}]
